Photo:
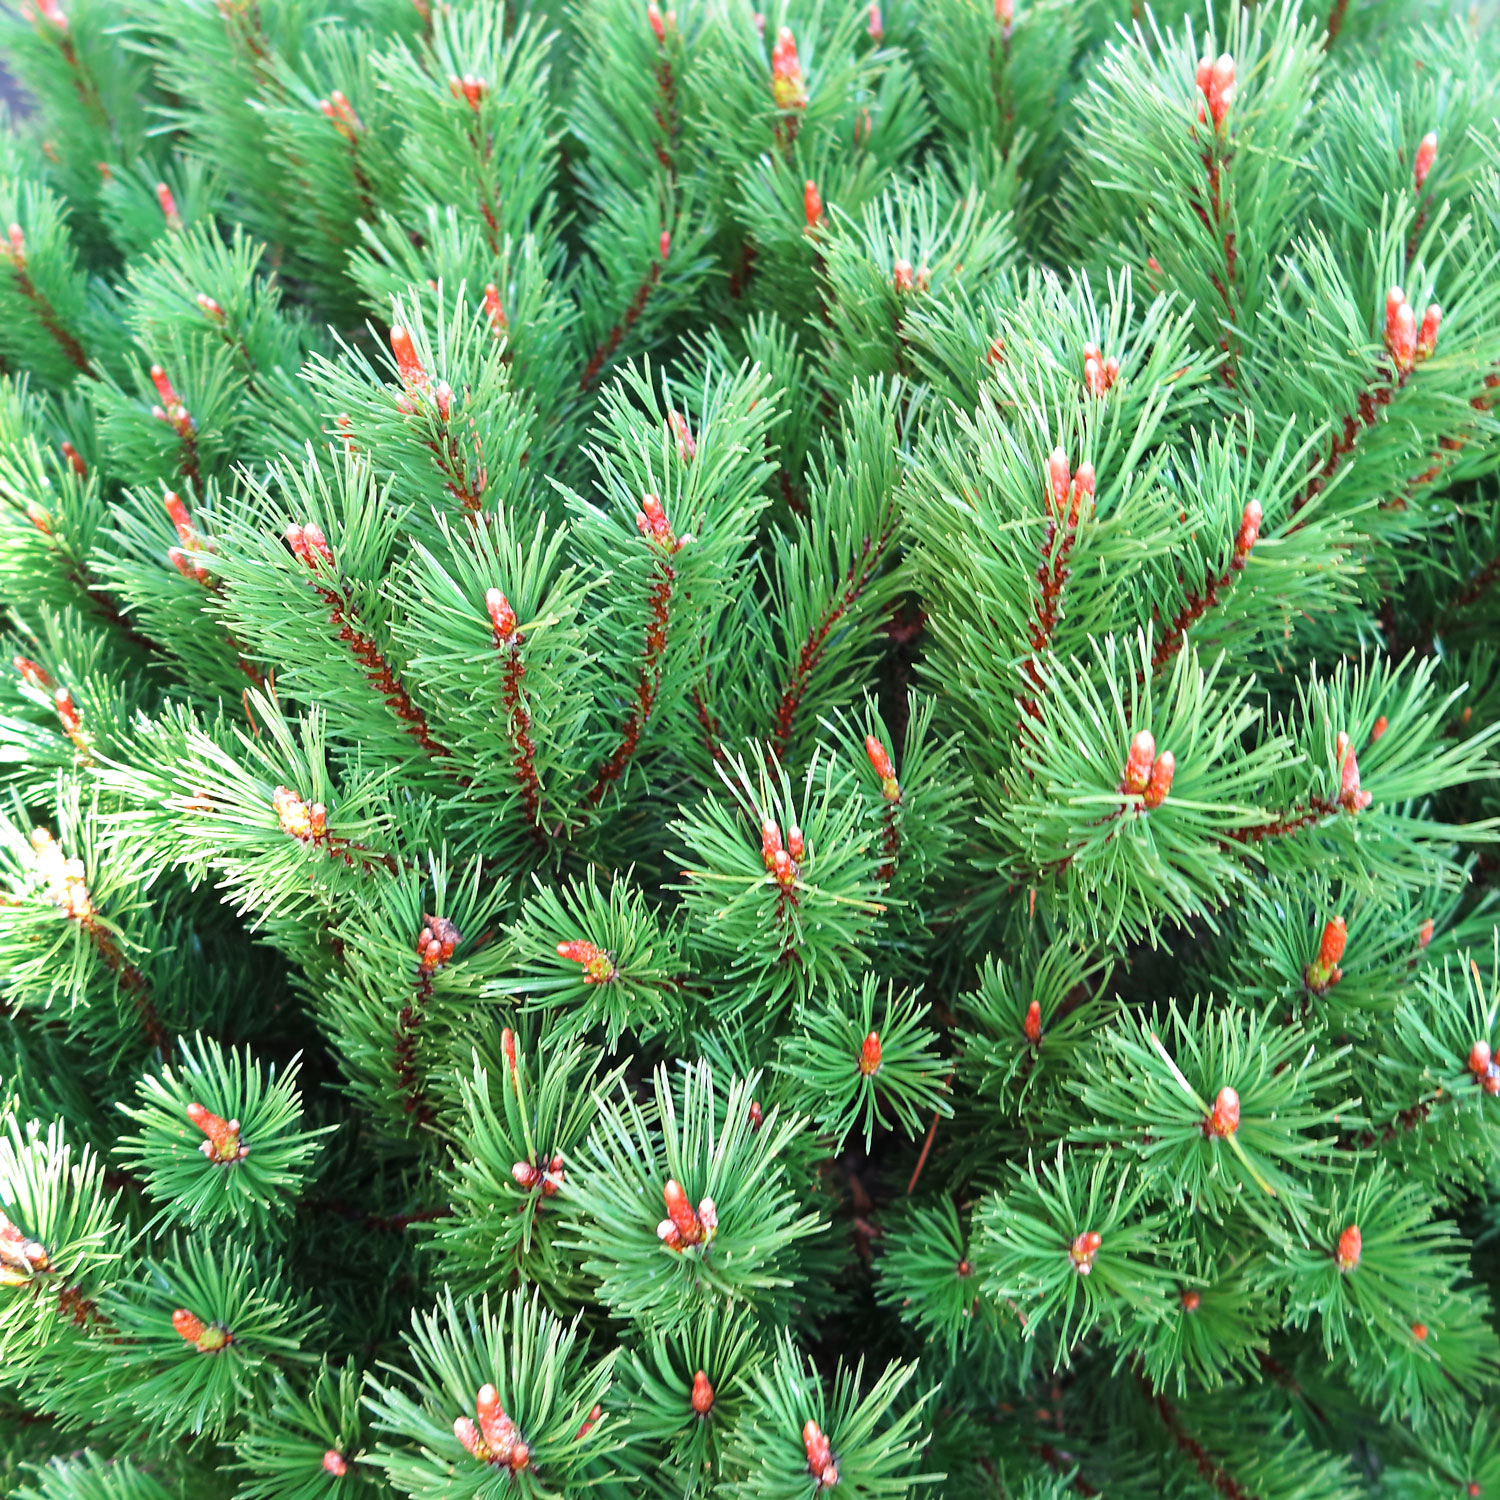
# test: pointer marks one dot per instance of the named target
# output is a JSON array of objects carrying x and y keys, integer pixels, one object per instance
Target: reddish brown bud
[
  {"x": 335, "y": 1463},
  {"x": 188, "y": 1326},
  {"x": 1427, "y": 335},
  {"x": 1224, "y": 1120},
  {"x": 902, "y": 277},
  {"x": 686, "y": 448},
  {"x": 1058, "y": 478},
  {"x": 508, "y": 1047},
  {"x": 598, "y": 966},
  {"x": 757, "y": 1115},
  {"x": 869, "y": 1054},
  {"x": 168, "y": 206},
  {"x": 1083, "y": 1250},
  {"x": 1161, "y": 780},
  {"x": 880, "y": 763},
  {"x": 1400, "y": 330},
  {"x": 703, "y": 1394},
  {"x": 75, "y": 463},
  {"x": 1351, "y": 798},
  {"x": 526, "y": 1175},
  {"x": 468, "y": 88},
  {"x": 1349, "y": 1249},
  {"x": 209, "y": 307},
  {"x": 1378, "y": 728},
  {"x": 875, "y": 24},
  {"x": 1216, "y": 84},
  {"x": 770, "y": 843},
  {"x": 1033, "y": 1023},
  {"x": 787, "y": 87},
  {"x": 223, "y": 1136},
  {"x": 494, "y": 311},
  {"x": 1426, "y": 155},
  {"x": 1248, "y": 534},
  {"x": 31, "y": 674},
  {"x": 1424, "y": 933},
  {"x": 664, "y": 244},
  {"x": 819, "y": 1453},
  {"x": 1479, "y": 1059},
  {"x": 1419, "y": 1332},
  {"x": 408, "y": 361},
  {"x": 812, "y": 204},
  {"x": 1191, "y": 1301},
  {"x": 436, "y": 943},
  {"x": 502, "y": 616},
  {"x": 1138, "y": 762},
  {"x": 658, "y": 26},
  {"x": 588, "y": 1422},
  {"x": 796, "y": 846}
]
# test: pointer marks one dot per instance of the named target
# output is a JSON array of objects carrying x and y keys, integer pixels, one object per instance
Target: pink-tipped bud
[
  {"x": 1138, "y": 763},
  {"x": 17, "y": 243},
  {"x": 1479, "y": 1058},
  {"x": 164, "y": 387},
  {"x": 508, "y": 1048},
  {"x": 1005, "y": 14},
  {"x": 787, "y": 87},
  {"x": 875, "y": 25},
  {"x": 335, "y": 1463},
  {"x": 901, "y": 276},
  {"x": 209, "y": 307},
  {"x": 1331, "y": 945},
  {"x": 1224, "y": 1119},
  {"x": 188, "y": 1325},
  {"x": 75, "y": 463},
  {"x": 468, "y": 88},
  {"x": 1426, "y": 155},
  {"x": 168, "y": 206},
  {"x": 1160, "y": 783},
  {"x": 222, "y": 1143},
  {"x": 598, "y": 966},
  {"x": 32, "y": 674},
  {"x": 770, "y": 842},
  {"x": 796, "y": 846},
  {"x": 408, "y": 362},
  {"x": 658, "y": 26},
  {"x": 1400, "y": 333},
  {"x": 664, "y": 244},
  {"x": 1424, "y": 933},
  {"x": 1350, "y": 1248},
  {"x": 493, "y": 311},
  {"x": 502, "y": 616},
  {"x": 869, "y": 1054},
  {"x": 996, "y": 352},
  {"x": 53, "y": 12},
  {"x": 1083, "y": 1250},
  {"x": 1351, "y": 797},
  {"x": 703, "y": 1394},
  {"x": 812, "y": 204},
  {"x": 1032, "y": 1025},
  {"x": 819, "y": 1452},
  {"x": 1059, "y": 476},
  {"x": 784, "y": 869},
  {"x": 687, "y": 448},
  {"x": 680, "y": 1212},
  {"x": 1248, "y": 534},
  {"x": 880, "y": 763},
  {"x": 1427, "y": 334},
  {"x": 1191, "y": 1300}
]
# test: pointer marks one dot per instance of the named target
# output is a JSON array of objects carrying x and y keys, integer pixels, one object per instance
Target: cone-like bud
[
  {"x": 1400, "y": 331},
  {"x": 757, "y": 1115},
  {"x": 508, "y": 1047},
  {"x": 1191, "y": 1300},
  {"x": 703, "y": 1394},
  {"x": 658, "y": 26},
  {"x": 1083, "y": 1250},
  {"x": 309, "y": 545},
  {"x": 1324, "y": 972},
  {"x": 23, "y": 1257},
  {"x": 168, "y": 206},
  {"x": 493, "y": 311},
  {"x": 770, "y": 843},
  {"x": 664, "y": 244},
  {"x": 187, "y": 1325},
  {"x": 1350, "y": 1247},
  {"x": 1139, "y": 762},
  {"x": 75, "y": 463},
  {"x": 1032, "y": 1025},
  {"x": 1058, "y": 478},
  {"x": 787, "y": 87},
  {"x": 819, "y": 1454},
  {"x": 812, "y": 204},
  {"x": 1351, "y": 798},
  {"x": 796, "y": 845},
  {"x": 595, "y": 1413},
  {"x": 686, "y": 448},
  {"x": 1427, "y": 334},
  {"x": 1224, "y": 1119},
  {"x": 502, "y": 616},
  {"x": 526, "y": 1176},
  {"x": 31, "y": 674},
  {"x": 598, "y": 966},
  {"x": 468, "y": 88},
  {"x": 1424, "y": 933},
  {"x": 335, "y": 1463},
  {"x": 297, "y": 819},
  {"x": 651, "y": 521},
  {"x": 206, "y": 1338},
  {"x": 1426, "y": 155},
  {"x": 1479, "y": 1059},
  {"x": 1419, "y": 1332},
  {"x": 1161, "y": 780},
  {"x": 880, "y": 763},
  {"x": 435, "y": 943},
  {"x": 223, "y": 1136},
  {"x": 209, "y": 307},
  {"x": 408, "y": 361},
  {"x": 1099, "y": 373},
  {"x": 902, "y": 277},
  {"x": 1216, "y": 84},
  {"x": 869, "y": 1054},
  {"x": 1248, "y": 534}
]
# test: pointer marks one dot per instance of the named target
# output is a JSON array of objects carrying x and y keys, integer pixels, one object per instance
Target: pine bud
[
  {"x": 787, "y": 87},
  {"x": 553, "y": 1178},
  {"x": 598, "y": 966},
  {"x": 1351, "y": 798},
  {"x": 812, "y": 204},
  {"x": 819, "y": 1454},
  {"x": 658, "y": 26},
  {"x": 189, "y": 1327},
  {"x": 1099, "y": 374},
  {"x": 334, "y": 1462},
  {"x": 996, "y": 353},
  {"x": 53, "y": 13},
  {"x": 869, "y": 1055},
  {"x": 298, "y": 820},
  {"x": 168, "y": 206},
  {"x": 684, "y": 1225},
  {"x": 23, "y": 1256},
  {"x": 40, "y": 518},
  {"x": 1005, "y": 13},
  {"x": 664, "y": 244},
  {"x": 442, "y": 396},
  {"x": 1139, "y": 762},
  {"x": 1191, "y": 1300},
  {"x": 1161, "y": 780},
  {"x": 1419, "y": 1332},
  {"x": 309, "y": 545},
  {"x": 223, "y": 1136},
  {"x": 770, "y": 843},
  {"x": 1032, "y": 1025},
  {"x": 651, "y": 521},
  {"x": 1424, "y": 933},
  {"x": 1058, "y": 478},
  {"x": 164, "y": 387},
  {"x": 901, "y": 276},
  {"x": 1083, "y": 1250},
  {"x": 435, "y": 943},
  {"x": 1427, "y": 335},
  {"x": 15, "y": 245},
  {"x": 703, "y": 1394},
  {"x": 1225, "y": 1117},
  {"x": 209, "y": 307},
  {"x": 1248, "y": 534},
  {"x": 1324, "y": 972},
  {"x": 527, "y": 1176},
  {"x": 1349, "y": 1249},
  {"x": 796, "y": 846},
  {"x": 78, "y": 466},
  {"x": 31, "y": 674},
  {"x": 408, "y": 363},
  {"x": 686, "y": 448},
  {"x": 339, "y": 110},
  {"x": 493, "y": 311},
  {"x": 784, "y": 868},
  {"x": 1426, "y": 155},
  {"x": 67, "y": 712},
  {"x": 880, "y": 763},
  {"x": 508, "y": 1047},
  {"x": 502, "y": 616},
  {"x": 1400, "y": 331},
  {"x": 1379, "y": 728},
  {"x": 1479, "y": 1059},
  {"x": 468, "y": 88},
  {"x": 757, "y": 1115},
  {"x": 1216, "y": 84},
  {"x": 588, "y": 1422}
]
